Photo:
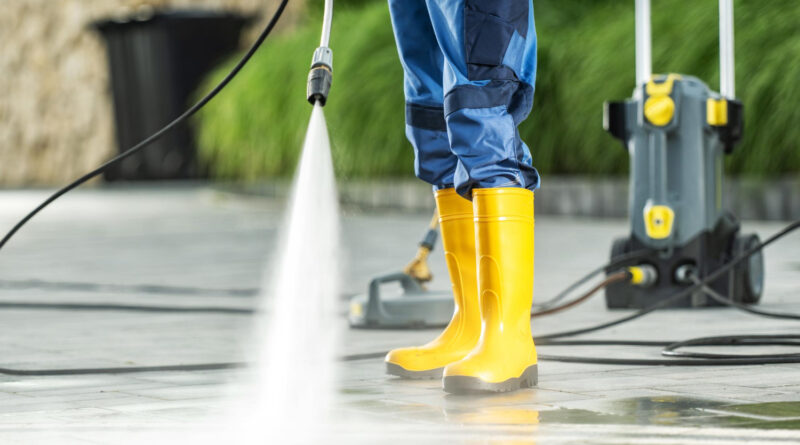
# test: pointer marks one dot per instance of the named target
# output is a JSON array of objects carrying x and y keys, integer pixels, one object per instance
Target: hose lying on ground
[{"x": 670, "y": 348}]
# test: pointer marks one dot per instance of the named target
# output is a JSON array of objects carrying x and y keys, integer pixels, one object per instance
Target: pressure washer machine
[{"x": 677, "y": 132}]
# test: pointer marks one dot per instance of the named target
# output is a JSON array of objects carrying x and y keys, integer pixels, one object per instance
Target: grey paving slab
[{"x": 200, "y": 237}]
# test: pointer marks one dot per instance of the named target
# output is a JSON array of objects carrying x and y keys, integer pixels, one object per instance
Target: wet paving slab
[
  {"x": 515, "y": 414},
  {"x": 198, "y": 237}
]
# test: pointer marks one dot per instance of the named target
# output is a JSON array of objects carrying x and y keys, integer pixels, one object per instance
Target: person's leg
[
  {"x": 423, "y": 63},
  {"x": 490, "y": 69}
]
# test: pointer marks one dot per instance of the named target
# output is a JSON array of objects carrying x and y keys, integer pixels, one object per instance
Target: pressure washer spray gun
[{"x": 321, "y": 75}]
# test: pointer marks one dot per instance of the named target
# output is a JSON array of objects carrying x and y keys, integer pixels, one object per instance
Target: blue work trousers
[{"x": 470, "y": 70}]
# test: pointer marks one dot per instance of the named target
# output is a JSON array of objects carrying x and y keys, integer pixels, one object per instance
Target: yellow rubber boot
[
  {"x": 505, "y": 356},
  {"x": 461, "y": 335}
]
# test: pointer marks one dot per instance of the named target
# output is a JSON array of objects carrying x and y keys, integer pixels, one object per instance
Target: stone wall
[{"x": 56, "y": 120}]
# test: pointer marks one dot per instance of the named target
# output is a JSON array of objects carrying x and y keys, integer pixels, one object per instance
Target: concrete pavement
[{"x": 218, "y": 245}]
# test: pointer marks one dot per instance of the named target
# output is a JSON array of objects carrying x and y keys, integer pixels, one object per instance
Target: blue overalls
[{"x": 470, "y": 70}]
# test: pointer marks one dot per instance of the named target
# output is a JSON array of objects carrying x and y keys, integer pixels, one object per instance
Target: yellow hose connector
[
  {"x": 418, "y": 268},
  {"x": 643, "y": 275},
  {"x": 637, "y": 275}
]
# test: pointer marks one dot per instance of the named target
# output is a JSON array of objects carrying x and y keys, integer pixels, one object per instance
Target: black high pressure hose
[
  {"x": 83, "y": 179},
  {"x": 683, "y": 293},
  {"x": 319, "y": 80},
  {"x": 612, "y": 266},
  {"x": 670, "y": 348},
  {"x": 157, "y": 135}
]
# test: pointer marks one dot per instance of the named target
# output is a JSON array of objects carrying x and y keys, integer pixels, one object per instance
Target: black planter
[{"x": 156, "y": 63}]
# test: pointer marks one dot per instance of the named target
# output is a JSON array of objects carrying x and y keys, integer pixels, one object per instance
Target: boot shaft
[
  {"x": 458, "y": 242},
  {"x": 504, "y": 228}
]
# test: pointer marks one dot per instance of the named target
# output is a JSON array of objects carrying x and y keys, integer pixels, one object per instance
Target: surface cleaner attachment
[
  {"x": 410, "y": 307},
  {"x": 677, "y": 131}
]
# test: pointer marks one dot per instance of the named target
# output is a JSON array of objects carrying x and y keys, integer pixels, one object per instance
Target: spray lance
[{"x": 321, "y": 74}]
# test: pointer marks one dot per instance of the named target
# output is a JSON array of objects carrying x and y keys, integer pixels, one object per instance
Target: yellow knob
[
  {"x": 658, "y": 221},
  {"x": 659, "y": 110}
]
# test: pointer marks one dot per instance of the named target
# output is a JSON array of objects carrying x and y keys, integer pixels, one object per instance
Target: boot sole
[
  {"x": 458, "y": 384},
  {"x": 399, "y": 371}
]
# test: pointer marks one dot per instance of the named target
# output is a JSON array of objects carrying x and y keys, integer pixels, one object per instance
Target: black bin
[{"x": 156, "y": 63}]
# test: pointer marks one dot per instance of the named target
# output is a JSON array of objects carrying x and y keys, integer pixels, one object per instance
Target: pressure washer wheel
[{"x": 749, "y": 274}]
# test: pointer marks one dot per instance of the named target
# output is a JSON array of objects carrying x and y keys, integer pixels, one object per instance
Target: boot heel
[
  {"x": 530, "y": 377},
  {"x": 473, "y": 385}
]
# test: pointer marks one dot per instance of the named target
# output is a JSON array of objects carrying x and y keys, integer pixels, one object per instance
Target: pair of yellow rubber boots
[{"x": 487, "y": 347}]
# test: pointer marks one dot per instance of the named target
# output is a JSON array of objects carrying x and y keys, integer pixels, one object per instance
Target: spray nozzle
[{"x": 320, "y": 77}]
